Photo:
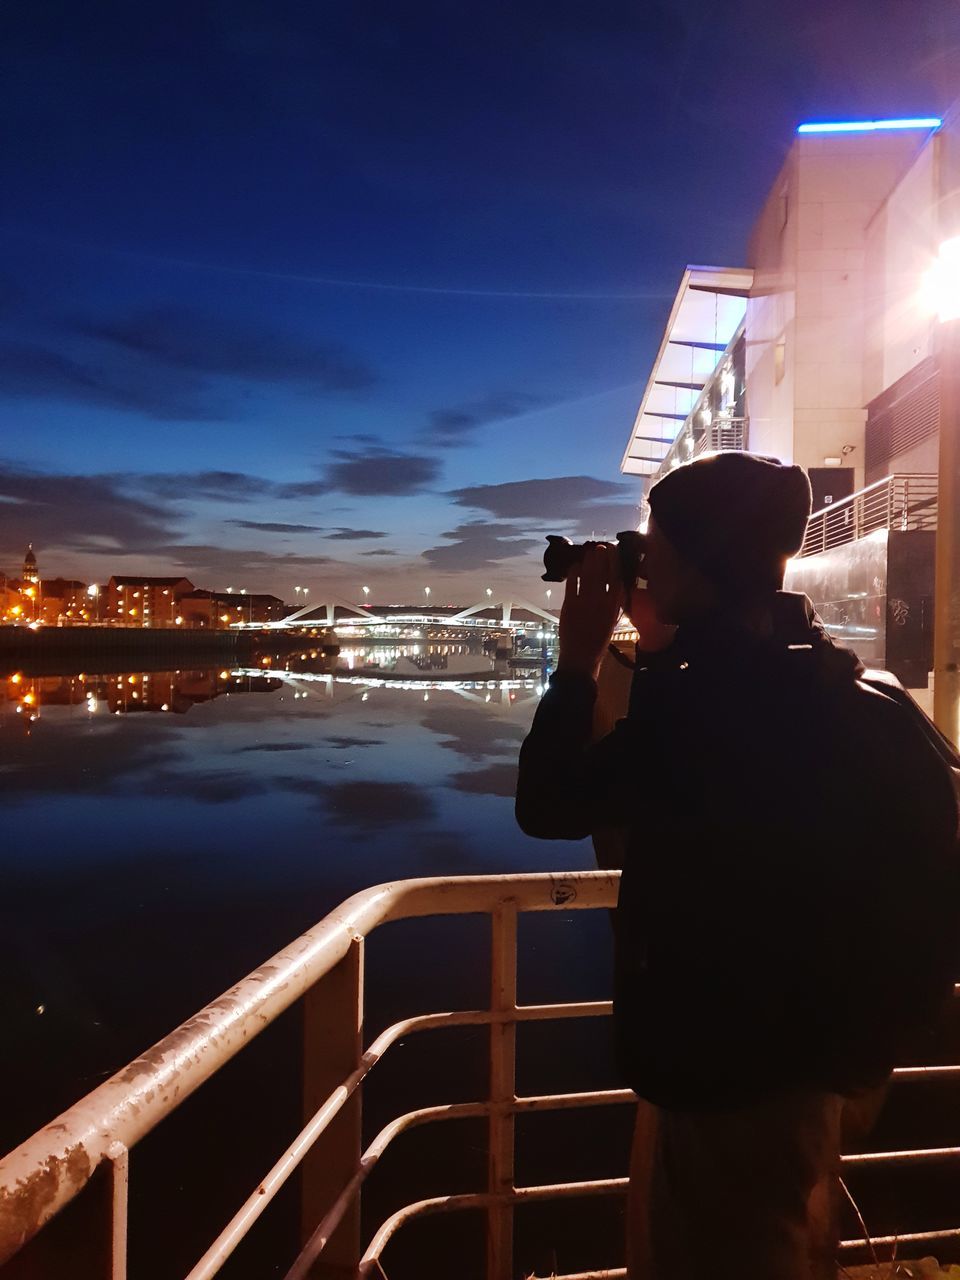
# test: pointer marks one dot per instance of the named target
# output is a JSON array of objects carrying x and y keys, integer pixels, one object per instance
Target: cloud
[
  {"x": 34, "y": 371},
  {"x": 183, "y": 338},
  {"x": 451, "y": 427},
  {"x": 494, "y": 780},
  {"x": 268, "y": 526},
  {"x": 480, "y": 545},
  {"x": 381, "y": 473},
  {"x": 218, "y": 485},
  {"x": 352, "y": 535},
  {"x": 302, "y": 489},
  {"x": 475, "y": 737},
  {"x": 579, "y": 504},
  {"x": 77, "y": 512},
  {"x": 212, "y": 786},
  {"x": 380, "y": 553},
  {"x": 277, "y": 746},
  {"x": 215, "y": 564},
  {"x": 367, "y": 805},
  {"x": 49, "y": 762}
]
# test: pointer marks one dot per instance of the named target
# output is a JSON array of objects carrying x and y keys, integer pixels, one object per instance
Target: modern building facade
[{"x": 823, "y": 350}]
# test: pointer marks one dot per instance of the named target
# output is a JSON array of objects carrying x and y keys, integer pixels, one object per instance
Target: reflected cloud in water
[{"x": 234, "y": 806}]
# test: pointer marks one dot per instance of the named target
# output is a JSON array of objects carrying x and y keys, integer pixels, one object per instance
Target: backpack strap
[{"x": 883, "y": 682}]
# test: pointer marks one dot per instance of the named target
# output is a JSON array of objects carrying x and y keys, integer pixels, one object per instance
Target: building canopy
[{"x": 710, "y": 304}]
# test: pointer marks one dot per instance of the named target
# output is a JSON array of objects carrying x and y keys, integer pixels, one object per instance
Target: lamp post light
[
  {"x": 943, "y": 286},
  {"x": 489, "y": 592},
  {"x": 366, "y": 594},
  {"x": 93, "y": 592}
]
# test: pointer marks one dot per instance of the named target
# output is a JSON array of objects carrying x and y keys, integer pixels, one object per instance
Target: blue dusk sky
[{"x": 367, "y": 293}]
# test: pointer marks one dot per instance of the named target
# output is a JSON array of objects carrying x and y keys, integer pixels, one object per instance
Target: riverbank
[{"x": 99, "y": 649}]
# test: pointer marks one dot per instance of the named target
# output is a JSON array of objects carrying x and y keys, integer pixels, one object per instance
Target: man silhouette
[{"x": 788, "y": 899}]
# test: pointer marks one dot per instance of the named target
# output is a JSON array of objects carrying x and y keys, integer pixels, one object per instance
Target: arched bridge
[{"x": 487, "y": 615}]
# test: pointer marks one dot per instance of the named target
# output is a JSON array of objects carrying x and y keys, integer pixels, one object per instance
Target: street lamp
[
  {"x": 93, "y": 591},
  {"x": 426, "y": 592},
  {"x": 549, "y": 593},
  {"x": 489, "y": 592},
  {"x": 366, "y": 594}
]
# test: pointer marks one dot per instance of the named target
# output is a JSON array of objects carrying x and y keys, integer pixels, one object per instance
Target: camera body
[{"x": 562, "y": 555}]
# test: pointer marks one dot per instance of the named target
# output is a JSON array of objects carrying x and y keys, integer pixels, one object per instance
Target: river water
[{"x": 167, "y": 831}]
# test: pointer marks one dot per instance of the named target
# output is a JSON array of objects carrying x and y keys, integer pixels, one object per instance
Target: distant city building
[
  {"x": 62, "y": 602},
  {"x": 219, "y": 609},
  {"x": 141, "y": 601},
  {"x": 129, "y": 600}
]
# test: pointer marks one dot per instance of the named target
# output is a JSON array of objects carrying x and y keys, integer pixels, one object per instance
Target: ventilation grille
[{"x": 902, "y": 417}]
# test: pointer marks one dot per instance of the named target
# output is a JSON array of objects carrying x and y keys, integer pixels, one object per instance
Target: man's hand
[{"x": 592, "y": 604}]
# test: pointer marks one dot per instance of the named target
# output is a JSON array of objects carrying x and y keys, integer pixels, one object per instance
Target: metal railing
[
  {"x": 722, "y": 435},
  {"x": 904, "y": 502},
  {"x": 325, "y": 967},
  {"x": 694, "y": 439}
]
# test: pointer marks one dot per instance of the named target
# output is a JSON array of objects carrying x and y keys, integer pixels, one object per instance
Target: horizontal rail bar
[
  {"x": 926, "y": 1155},
  {"x": 43, "y": 1174},
  {"x": 255, "y": 1204},
  {"x": 618, "y": 1273},
  {"x": 913, "y": 1237},
  {"x": 925, "y": 1073},
  {"x": 483, "y": 1200},
  {"x": 426, "y": 1115}
]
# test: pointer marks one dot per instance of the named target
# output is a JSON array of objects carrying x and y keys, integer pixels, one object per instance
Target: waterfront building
[
  {"x": 62, "y": 602},
  {"x": 141, "y": 601},
  {"x": 221, "y": 609},
  {"x": 823, "y": 350}
]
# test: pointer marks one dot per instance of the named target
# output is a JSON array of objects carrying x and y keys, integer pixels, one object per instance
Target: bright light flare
[{"x": 940, "y": 291}]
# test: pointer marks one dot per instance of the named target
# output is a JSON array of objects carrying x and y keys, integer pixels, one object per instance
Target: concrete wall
[
  {"x": 901, "y": 245},
  {"x": 809, "y": 252},
  {"x": 771, "y": 345}
]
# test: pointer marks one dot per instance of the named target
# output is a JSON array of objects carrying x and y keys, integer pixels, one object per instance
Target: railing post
[
  {"x": 503, "y": 1062},
  {"x": 88, "y": 1237},
  {"x": 332, "y": 1047}
]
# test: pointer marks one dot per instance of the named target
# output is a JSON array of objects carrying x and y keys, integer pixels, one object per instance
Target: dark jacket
[{"x": 788, "y": 900}]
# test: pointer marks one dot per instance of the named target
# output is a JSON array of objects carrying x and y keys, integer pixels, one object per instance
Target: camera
[{"x": 562, "y": 555}]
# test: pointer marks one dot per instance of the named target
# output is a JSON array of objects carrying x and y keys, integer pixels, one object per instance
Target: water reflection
[
  {"x": 151, "y": 859},
  {"x": 250, "y": 816}
]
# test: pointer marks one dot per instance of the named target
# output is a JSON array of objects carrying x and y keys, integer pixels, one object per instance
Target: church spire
[{"x": 30, "y": 573}]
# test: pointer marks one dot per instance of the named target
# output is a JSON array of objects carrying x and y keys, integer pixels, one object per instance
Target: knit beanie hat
[{"x": 736, "y": 516}]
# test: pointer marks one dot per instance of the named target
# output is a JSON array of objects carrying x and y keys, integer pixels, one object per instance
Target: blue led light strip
[{"x": 868, "y": 126}]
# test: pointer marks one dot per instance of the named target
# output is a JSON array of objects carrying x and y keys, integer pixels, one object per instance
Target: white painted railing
[{"x": 90, "y": 1143}]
